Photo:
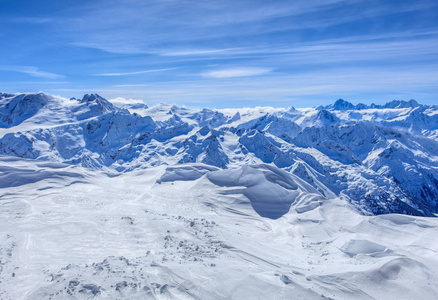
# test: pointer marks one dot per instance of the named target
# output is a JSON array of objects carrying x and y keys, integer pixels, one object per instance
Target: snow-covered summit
[
  {"x": 343, "y": 105},
  {"x": 15, "y": 109},
  {"x": 402, "y": 104},
  {"x": 340, "y": 104}
]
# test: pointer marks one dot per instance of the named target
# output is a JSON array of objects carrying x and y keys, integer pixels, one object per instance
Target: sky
[{"x": 217, "y": 54}]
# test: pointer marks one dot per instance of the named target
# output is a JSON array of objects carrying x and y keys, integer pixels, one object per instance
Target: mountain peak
[
  {"x": 340, "y": 104},
  {"x": 103, "y": 104},
  {"x": 326, "y": 118},
  {"x": 20, "y": 107},
  {"x": 402, "y": 104},
  {"x": 5, "y": 95},
  {"x": 91, "y": 97}
]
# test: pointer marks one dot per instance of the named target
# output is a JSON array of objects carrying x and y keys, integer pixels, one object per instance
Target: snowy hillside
[
  {"x": 165, "y": 202},
  {"x": 194, "y": 231}
]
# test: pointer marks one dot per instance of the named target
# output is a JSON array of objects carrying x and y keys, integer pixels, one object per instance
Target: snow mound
[
  {"x": 355, "y": 247},
  {"x": 270, "y": 190},
  {"x": 187, "y": 172},
  {"x": 13, "y": 176}
]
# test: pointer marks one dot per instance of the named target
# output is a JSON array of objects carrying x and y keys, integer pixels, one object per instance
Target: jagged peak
[
  {"x": 361, "y": 106},
  {"x": 103, "y": 104},
  {"x": 402, "y": 104},
  {"x": 6, "y": 95},
  {"x": 319, "y": 107},
  {"x": 34, "y": 99},
  {"x": 174, "y": 108},
  {"x": 340, "y": 104},
  {"x": 235, "y": 117},
  {"x": 291, "y": 110},
  {"x": 91, "y": 97},
  {"x": 204, "y": 130},
  {"x": 16, "y": 109},
  {"x": 175, "y": 118},
  {"x": 325, "y": 114}
]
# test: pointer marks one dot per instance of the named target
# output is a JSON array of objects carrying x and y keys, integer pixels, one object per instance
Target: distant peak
[
  {"x": 6, "y": 95},
  {"x": 340, "y": 104},
  {"x": 20, "y": 107},
  {"x": 319, "y": 107},
  {"x": 174, "y": 108},
  {"x": 402, "y": 104},
  {"x": 326, "y": 118},
  {"x": 101, "y": 104},
  {"x": 361, "y": 106},
  {"x": 91, "y": 97}
]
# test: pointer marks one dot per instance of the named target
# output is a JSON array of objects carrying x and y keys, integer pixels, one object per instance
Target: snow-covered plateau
[{"x": 165, "y": 202}]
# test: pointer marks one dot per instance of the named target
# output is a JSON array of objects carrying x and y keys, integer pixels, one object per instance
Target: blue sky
[{"x": 223, "y": 53}]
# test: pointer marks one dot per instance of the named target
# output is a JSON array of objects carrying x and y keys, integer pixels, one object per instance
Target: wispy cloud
[
  {"x": 104, "y": 43},
  {"x": 129, "y": 85},
  {"x": 31, "y": 20},
  {"x": 236, "y": 72},
  {"x": 41, "y": 82},
  {"x": 32, "y": 71},
  {"x": 124, "y": 28},
  {"x": 135, "y": 73},
  {"x": 198, "y": 52},
  {"x": 352, "y": 50}
]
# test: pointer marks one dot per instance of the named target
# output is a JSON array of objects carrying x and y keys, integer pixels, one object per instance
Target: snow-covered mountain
[
  {"x": 163, "y": 202},
  {"x": 380, "y": 158}
]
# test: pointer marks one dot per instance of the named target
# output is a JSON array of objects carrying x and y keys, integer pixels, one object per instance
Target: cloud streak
[
  {"x": 123, "y": 27},
  {"x": 32, "y": 71},
  {"x": 135, "y": 73},
  {"x": 31, "y": 20},
  {"x": 236, "y": 72}
]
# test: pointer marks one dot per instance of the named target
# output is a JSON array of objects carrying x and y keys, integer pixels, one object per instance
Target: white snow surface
[
  {"x": 194, "y": 232},
  {"x": 164, "y": 202}
]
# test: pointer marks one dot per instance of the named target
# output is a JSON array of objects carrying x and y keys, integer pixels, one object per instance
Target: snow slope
[{"x": 194, "y": 231}]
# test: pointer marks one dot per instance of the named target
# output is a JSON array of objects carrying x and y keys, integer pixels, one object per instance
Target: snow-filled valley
[{"x": 164, "y": 202}]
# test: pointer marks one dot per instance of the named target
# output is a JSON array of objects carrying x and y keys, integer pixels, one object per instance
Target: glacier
[{"x": 135, "y": 202}]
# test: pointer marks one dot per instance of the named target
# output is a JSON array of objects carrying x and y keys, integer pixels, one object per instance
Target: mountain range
[{"x": 380, "y": 158}]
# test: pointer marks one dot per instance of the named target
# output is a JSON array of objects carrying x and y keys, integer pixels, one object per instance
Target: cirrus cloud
[
  {"x": 31, "y": 70},
  {"x": 135, "y": 73},
  {"x": 236, "y": 72}
]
